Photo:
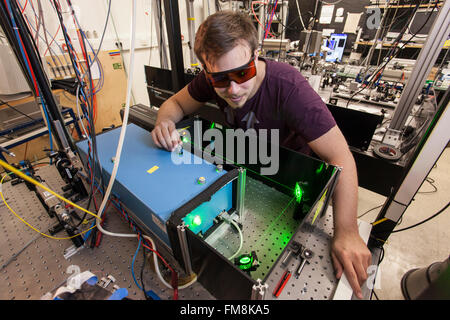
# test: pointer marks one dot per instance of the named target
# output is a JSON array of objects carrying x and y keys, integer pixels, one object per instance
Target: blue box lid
[{"x": 150, "y": 173}]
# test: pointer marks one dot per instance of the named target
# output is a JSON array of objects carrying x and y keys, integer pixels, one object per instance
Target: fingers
[
  {"x": 166, "y": 136},
  {"x": 158, "y": 137},
  {"x": 155, "y": 139},
  {"x": 337, "y": 266},
  {"x": 354, "y": 265},
  {"x": 352, "y": 277},
  {"x": 351, "y": 256},
  {"x": 175, "y": 137},
  {"x": 350, "y": 272},
  {"x": 361, "y": 271},
  {"x": 167, "y": 139}
]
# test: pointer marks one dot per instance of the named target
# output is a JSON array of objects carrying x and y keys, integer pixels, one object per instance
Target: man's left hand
[{"x": 351, "y": 256}]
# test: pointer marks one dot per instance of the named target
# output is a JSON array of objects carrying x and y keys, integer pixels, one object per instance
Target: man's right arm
[{"x": 171, "y": 111}]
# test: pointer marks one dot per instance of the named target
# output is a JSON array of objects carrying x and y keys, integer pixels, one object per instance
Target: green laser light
[
  {"x": 245, "y": 260},
  {"x": 298, "y": 192},
  {"x": 197, "y": 221},
  {"x": 320, "y": 169}
]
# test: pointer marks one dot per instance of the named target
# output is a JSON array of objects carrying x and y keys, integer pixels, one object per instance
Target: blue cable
[
  {"x": 89, "y": 232},
  {"x": 98, "y": 61},
  {"x": 132, "y": 264},
  {"x": 34, "y": 29},
  {"x": 48, "y": 124},
  {"x": 149, "y": 292},
  {"x": 8, "y": 4}
]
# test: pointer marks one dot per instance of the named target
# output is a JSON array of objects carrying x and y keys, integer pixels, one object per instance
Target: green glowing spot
[
  {"x": 285, "y": 237},
  {"x": 213, "y": 125},
  {"x": 298, "y": 192},
  {"x": 245, "y": 260},
  {"x": 320, "y": 169},
  {"x": 184, "y": 139},
  {"x": 197, "y": 221}
]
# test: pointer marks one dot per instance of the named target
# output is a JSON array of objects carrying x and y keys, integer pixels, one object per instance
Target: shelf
[
  {"x": 430, "y": 5},
  {"x": 388, "y": 45},
  {"x": 385, "y": 44}
]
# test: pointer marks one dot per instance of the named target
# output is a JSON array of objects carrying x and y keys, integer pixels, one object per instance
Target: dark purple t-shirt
[{"x": 284, "y": 101}]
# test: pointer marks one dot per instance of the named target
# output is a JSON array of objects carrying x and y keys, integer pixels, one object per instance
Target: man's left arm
[{"x": 349, "y": 252}]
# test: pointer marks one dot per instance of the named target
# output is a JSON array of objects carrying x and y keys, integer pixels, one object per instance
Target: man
[{"x": 279, "y": 98}]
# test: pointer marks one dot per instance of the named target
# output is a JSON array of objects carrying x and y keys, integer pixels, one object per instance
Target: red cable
[
  {"x": 25, "y": 6},
  {"x": 174, "y": 274},
  {"x": 271, "y": 19},
  {"x": 256, "y": 17},
  {"x": 53, "y": 39}
]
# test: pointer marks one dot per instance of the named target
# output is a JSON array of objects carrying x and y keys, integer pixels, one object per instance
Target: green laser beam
[{"x": 276, "y": 220}]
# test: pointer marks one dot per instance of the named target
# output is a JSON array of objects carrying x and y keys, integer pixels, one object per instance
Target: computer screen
[
  {"x": 336, "y": 46},
  {"x": 330, "y": 44}
]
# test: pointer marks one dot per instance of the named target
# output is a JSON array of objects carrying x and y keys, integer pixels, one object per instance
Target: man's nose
[{"x": 233, "y": 88}]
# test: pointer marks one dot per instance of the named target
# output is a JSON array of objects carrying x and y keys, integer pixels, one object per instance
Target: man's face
[{"x": 235, "y": 94}]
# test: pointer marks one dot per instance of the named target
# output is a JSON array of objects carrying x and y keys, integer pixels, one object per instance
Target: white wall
[{"x": 92, "y": 14}]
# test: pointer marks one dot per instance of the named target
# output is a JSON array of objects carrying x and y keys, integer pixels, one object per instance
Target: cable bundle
[
  {"x": 269, "y": 21},
  {"x": 86, "y": 100},
  {"x": 30, "y": 71},
  {"x": 86, "y": 91},
  {"x": 376, "y": 75}
]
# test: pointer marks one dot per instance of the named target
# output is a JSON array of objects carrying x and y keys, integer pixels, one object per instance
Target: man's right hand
[{"x": 165, "y": 135}]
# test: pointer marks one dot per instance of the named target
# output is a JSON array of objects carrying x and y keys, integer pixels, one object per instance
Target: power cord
[
  {"x": 423, "y": 221},
  {"x": 362, "y": 215},
  {"x": 431, "y": 182}
]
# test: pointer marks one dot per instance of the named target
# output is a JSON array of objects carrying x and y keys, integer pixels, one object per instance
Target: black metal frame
[
  {"x": 175, "y": 46},
  {"x": 381, "y": 231},
  {"x": 36, "y": 64},
  {"x": 218, "y": 275}
]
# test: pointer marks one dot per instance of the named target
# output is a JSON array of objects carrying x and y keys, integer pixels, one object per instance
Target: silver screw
[{"x": 201, "y": 180}]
